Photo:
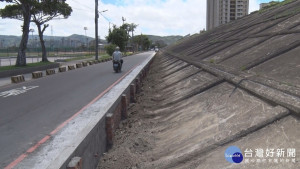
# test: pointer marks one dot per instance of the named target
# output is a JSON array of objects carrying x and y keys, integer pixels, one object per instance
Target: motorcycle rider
[{"x": 117, "y": 55}]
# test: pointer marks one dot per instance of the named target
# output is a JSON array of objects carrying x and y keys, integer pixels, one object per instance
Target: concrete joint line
[
  {"x": 268, "y": 93},
  {"x": 196, "y": 91},
  {"x": 178, "y": 69},
  {"x": 183, "y": 79},
  {"x": 282, "y": 112}
]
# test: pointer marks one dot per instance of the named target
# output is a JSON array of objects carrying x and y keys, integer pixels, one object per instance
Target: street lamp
[
  {"x": 85, "y": 29},
  {"x": 31, "y": 30},
  {"x": 96, "y": 28}
]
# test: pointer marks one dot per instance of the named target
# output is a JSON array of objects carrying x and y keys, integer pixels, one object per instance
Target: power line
[
  {"x": 108, "y": 20},
  {"x": 84, "y": 5}
]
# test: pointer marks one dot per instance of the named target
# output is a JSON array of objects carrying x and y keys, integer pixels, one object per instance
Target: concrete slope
[
  {"x": 264, "y": 45},
  {"x": 204, "y": 115},
  {"x": 187, "y": 119},
  {"x": 235, "y": 85}
]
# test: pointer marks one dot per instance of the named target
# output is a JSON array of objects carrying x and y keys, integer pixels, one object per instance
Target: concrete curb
[
  {"x": 84, "y": 64},
  {"x": 91, "y": 62},
  {"x": 78, "y": 65},
  {"x": 86, "y": 135},
  {"x": 37, "y": 74},
  {"x": 50, "y": 71},
  {"x": 71, "y": 67},
  {"x": 62, "y": 69},
  {"x": 17, "y": 79}
]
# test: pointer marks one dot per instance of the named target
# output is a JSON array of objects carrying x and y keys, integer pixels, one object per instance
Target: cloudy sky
[{"x": 155, "y": 17}]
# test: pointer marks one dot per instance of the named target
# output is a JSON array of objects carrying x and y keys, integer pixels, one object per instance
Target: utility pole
[{"x": 96, "y": 28}]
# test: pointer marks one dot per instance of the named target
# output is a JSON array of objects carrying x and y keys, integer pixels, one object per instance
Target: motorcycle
[{"x": 117, "y": 66}]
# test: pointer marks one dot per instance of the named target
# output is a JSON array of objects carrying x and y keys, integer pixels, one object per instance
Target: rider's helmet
[{"x": 117, "y": 48}]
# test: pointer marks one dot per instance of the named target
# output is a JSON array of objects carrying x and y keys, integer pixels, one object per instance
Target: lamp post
[
  {"x": 96, "y": 28},
  {"x": 85, "y": 29},
  {"x": 37, "y": 50}
]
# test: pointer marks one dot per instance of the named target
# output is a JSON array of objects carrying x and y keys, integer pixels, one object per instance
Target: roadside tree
[
  {"x": 132, "y": 27},
  {"x": 142, "y": 41},
  {"x": 35, "y": 11},
  {"x": 20, "y": 10},
  {"x": 43, "y": 12},
  {"x": 118, "y": 36}
]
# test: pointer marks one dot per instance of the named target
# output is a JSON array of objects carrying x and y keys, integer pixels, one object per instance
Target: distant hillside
[
  {"x": 74, "y": 40},
  {"x": 57, "y": 41},
  {"x": 167, "y": 39}
]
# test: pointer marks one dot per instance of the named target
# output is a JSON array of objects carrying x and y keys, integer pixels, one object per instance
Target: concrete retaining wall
[{"x": 85, "y": 136}]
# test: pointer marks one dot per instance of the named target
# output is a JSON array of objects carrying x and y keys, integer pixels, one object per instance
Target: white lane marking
[{"x": 17, "y": 91}]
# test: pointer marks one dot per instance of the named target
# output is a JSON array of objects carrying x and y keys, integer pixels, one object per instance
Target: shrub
[{"x": 110, "y": 49}]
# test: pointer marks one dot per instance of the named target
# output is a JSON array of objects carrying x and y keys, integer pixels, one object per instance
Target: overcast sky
[{"x": 154, "y": 17}]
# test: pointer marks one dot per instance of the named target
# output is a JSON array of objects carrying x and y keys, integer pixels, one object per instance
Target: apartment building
[{"x": 223, "y": 11}]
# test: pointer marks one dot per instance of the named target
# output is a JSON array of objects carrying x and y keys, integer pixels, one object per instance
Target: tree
[
  {"x": 126, "y": 27},
  {"x": 132, "y": 27},
  {"x": 20, "y": 10},
  {"x": 160, "y": 43},
  {"x": 45, "y": 11},
  {"x": 110, "y": 49},
  {"x": 142, "y": 41},
  {"x": 118, "y": 36}
]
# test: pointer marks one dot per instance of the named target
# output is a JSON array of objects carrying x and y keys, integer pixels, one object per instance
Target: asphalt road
[{"x": 41, "y": 105}]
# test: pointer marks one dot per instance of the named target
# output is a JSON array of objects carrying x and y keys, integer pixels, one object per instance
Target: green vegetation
[
  {"x": 212, "y": 61},
  {"x": 243, "y": 68},
  {"x": 38, "y": 12},
  {"x": 89, "y": 56},
  {"x": 128, "y": 53},
  {"x": 286, "y": 83},
  {"x": 118, "y": 36},
  {"x": 213, "y": 41},
  {"x": 167, "y": 40},
  {"x": 105, "y": 56},
  {"x": 4, "y": 68},
  {"x": 143, "y": 42},
  {"x": 110, "y": 49},
  {"x": 45, "y": 11},
  {"x": 287, "y": 13},
  {"x": 274, "y": 4}
]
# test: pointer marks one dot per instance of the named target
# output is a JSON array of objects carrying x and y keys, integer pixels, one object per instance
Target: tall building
[{"x": 223, "y": 11}]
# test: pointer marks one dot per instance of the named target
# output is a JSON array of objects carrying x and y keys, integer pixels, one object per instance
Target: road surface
[{"x": 31, "y": 110}]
